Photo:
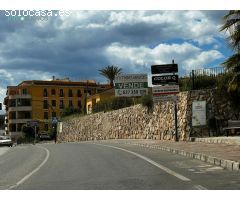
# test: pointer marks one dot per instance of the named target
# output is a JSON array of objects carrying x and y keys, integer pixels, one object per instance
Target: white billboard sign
[
  {"x": 165, "y": 89},
  {"x": 199, "y": 113},
  {"x": 131, "y": 85},
  {"x": 163, "y": 98}
]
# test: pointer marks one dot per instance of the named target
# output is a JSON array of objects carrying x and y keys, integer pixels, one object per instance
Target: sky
[{"x": 79, "y": 43}]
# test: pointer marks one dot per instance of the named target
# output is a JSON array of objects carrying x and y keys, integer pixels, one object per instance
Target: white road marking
[
  {"x": 33, "y": 172},
  {"x": 199, "y": 187},
  {"x": 169, "y": 171}
]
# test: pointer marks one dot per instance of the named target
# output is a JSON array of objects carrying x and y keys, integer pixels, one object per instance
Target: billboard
[
  {"x": 199, "y": 113},
  {"x": 163, "y": 69},
  {"x": 165, "y": 89},
  {"x": 166, "y": 79},
  {"x": 131, "y": 85}
]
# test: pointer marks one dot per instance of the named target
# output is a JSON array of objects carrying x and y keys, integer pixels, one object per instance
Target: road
[{"x": 108, "y": 166}]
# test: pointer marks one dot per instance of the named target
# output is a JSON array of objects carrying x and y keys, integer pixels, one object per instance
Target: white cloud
[
  {"x": 186, "y": 55},
  {"x": 190, "y": 25}
]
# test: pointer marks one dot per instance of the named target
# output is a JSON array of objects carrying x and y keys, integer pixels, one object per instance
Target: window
[
  {"x": 46, "y": 127},
  {"x": 61, "y": 93},
  {"x": 12, "y": 103},
  {"x": 79, "y": 93},
  {"x": 79, "y": 104},
  {"x": 45, "y": 92},
  {"x": 89, "y": 92},
  {"x": 24, "y": 91},
  {"x": 54, "y": 114},
  {"x": 61, "y": 105},
  {"x": 14, "y": 115},
  {"x": 54, "y": 103},
  {"x": 70, "y": 93},
  {"x": 45, "y": 104},
  {"x": 70, "y": 103},
  {"x": 45, "y": 115},
  {"x": 53, "y": 92}
]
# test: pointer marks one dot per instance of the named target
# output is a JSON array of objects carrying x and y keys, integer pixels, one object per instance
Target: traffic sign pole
[{"x": 176, "y": 120}]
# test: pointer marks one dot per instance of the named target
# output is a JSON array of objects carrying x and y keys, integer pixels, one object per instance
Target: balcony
[
  {"x": 20, "y": 96},
  {"x": 18, "y": 121},
  {"x": 20, "y": 108}
]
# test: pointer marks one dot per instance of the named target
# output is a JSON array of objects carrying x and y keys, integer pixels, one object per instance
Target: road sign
[
  {"x": 163, "y": 69},
  {"x": 165, "y": 89},
  {"x": 163, "y": 98},
  {"x": 159, "y": 80},
  {"x": 54, "y": 120},
  {"x": 32, "y": 123},
  {"x": 131, "y": 85}
]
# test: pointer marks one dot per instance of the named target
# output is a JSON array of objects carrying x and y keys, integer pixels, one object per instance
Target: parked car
[
  {"x": 6, "y": 141},
  {"x": 44, "y": 136}
]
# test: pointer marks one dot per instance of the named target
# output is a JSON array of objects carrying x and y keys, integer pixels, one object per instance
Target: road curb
[{"x": 227, "y": 164}]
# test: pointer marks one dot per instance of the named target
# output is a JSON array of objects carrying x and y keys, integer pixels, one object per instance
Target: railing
[{"x": 206, "y": 78}]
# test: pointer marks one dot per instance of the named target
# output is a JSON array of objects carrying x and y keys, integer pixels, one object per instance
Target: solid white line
[
  {"x": 33, "y": 172},
  {"x": 169, "y": 171},
  {"x": 199, "y": 187}
]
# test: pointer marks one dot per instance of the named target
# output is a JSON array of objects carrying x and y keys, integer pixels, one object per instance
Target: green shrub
[
  {"x": 147, "y": 101},
  {"x": 69, "y": 111},
  {"x": 185, "y": 83},
  {"x": 113, "y": 103}
]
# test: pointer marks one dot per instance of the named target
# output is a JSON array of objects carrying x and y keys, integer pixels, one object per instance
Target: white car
[{"x": 6, "y": 141}]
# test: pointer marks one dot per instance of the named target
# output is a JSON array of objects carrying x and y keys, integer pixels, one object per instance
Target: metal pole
[
  {"x": 35, "y": 133},
  {"x": 176, "y": 119},
  {"x": 193, "y": 80}
]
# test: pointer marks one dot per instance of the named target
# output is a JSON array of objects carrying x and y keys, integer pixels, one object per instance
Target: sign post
[{"x": 167, "y": 87}]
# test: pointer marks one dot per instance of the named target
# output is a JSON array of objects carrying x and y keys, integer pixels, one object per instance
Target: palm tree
[
  {"x": 231, "y": 23},
  {"x": 110, "y": 72}
]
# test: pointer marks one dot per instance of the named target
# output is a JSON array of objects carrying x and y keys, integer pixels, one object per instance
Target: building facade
[
  {"x": 43, "y": 101},
  {"x": 95, "y": 98}
]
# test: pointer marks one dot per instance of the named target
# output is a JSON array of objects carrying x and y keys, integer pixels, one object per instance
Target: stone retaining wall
[{"x": 136, "y": 123}]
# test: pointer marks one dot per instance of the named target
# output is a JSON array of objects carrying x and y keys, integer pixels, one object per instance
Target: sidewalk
[{"x": 220, "y": 151}]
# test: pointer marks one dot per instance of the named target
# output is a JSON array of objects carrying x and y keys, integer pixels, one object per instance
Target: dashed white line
[{"x": 33, "y": 172}]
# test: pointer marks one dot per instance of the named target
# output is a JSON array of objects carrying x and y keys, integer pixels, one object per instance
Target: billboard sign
[
  {"x": 166, "y": 79},
  {"x": 163, "y": 69},
  {"x": 165, "y": 89},
  {"x": 199, "y": 113},
  {"x": 163, "y": 98},
  {"x": 131, "y": 85}
]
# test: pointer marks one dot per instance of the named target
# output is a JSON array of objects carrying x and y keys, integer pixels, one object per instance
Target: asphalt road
[{"x": 107, "y": 166}]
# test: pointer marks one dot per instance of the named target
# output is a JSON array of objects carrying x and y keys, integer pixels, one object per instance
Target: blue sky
[{"x": 78, "y": 45}]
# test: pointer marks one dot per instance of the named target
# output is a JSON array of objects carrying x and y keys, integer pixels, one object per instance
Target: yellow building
[
  {"x": 93, "y": 99},
  {"x": 44, "y": 100}
]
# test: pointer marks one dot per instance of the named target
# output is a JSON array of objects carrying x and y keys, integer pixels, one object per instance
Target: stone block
[
  {"x": 210, "y": 159},
  {"x": 236, "y": 166},
  {"x": 217, "y": 161},
  {"x": 229, "y": 164}
]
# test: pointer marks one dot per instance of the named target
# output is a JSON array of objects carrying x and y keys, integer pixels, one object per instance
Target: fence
[{"x": 205, "y": 78}]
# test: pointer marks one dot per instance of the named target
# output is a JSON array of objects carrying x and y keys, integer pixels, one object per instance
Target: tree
[
  {"x": 232, "y": 25},
  {"x": 110, "y": 72}
]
